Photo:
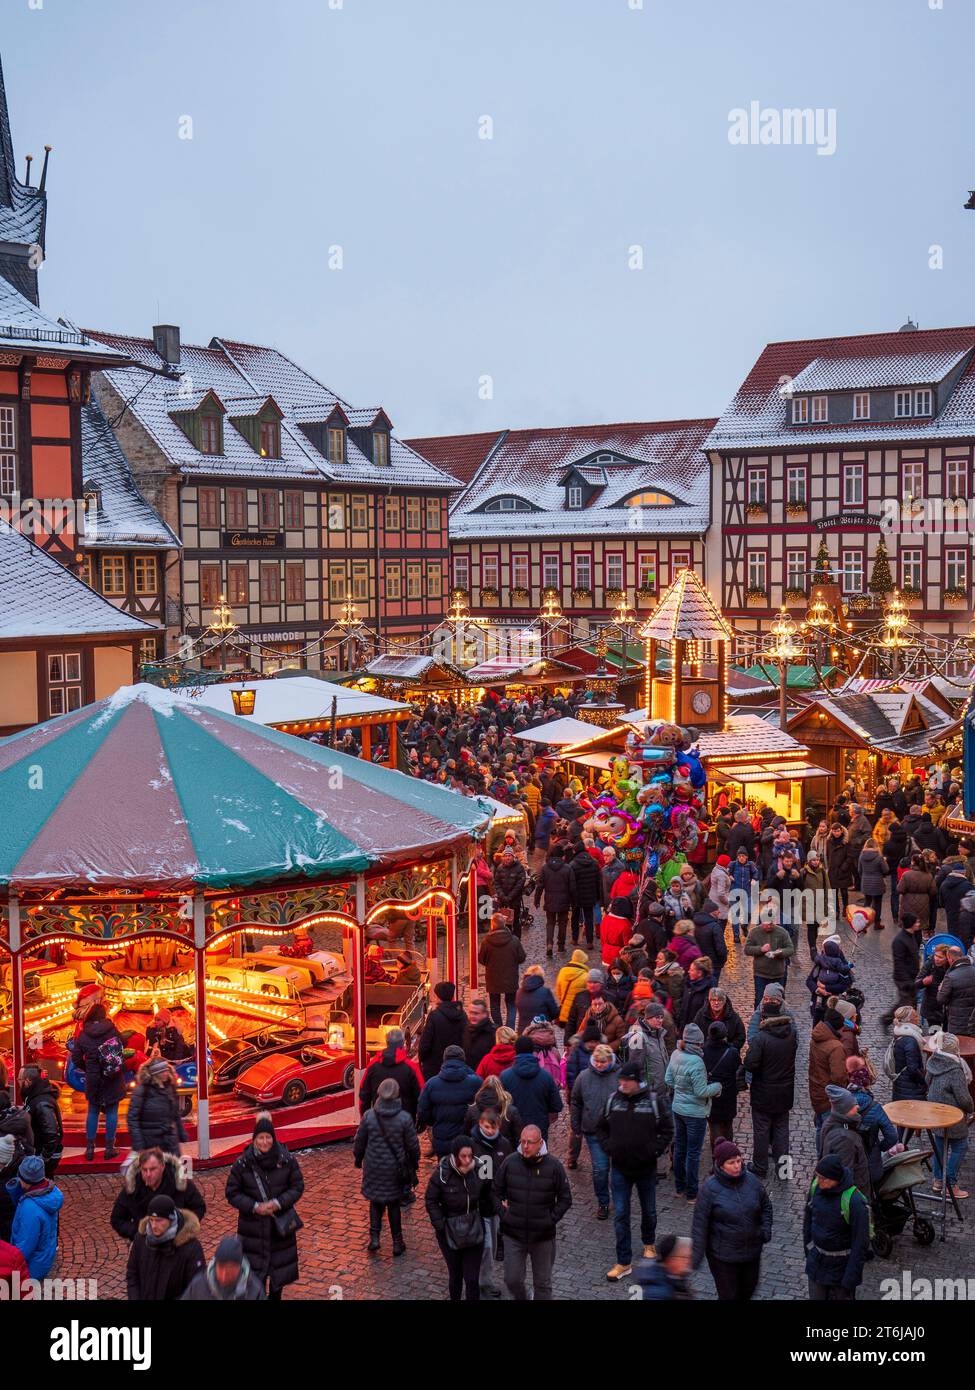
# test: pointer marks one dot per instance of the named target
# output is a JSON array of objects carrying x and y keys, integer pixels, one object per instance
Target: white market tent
[
  {"x": 297, "y": 700},
  {"x": 560, "y": 731}
]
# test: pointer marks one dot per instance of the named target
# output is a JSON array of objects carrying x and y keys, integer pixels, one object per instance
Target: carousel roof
[{"x": 148, "y": 790}]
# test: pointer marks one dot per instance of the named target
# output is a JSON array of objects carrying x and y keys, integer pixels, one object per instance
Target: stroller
[{"x": 893, "y": 1202}]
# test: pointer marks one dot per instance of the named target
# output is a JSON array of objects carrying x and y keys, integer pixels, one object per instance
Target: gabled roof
[
  {"x": 748, "y": 735},
  {"x": 433, "y": 669},
  {"x": 249, "y": 373},
  {"x": 665, "y": 456},
  {"x": 40, "y": 598},
  {"x": 686, "y": 612},
  {"x": 23, "y": 325},
  {"x": 757, "y": 417},
  {"x": 122, "y": 516}
]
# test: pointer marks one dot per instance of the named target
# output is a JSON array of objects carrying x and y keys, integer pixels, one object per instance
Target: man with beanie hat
[
  {"x": 36, "y": 1203},
  {"x": 634, "y": 1130},
  {"x": 227, "y": 1278},
  {"x": 445, "y": 1098},
  {"x": 732, "y": 1225},
  {"x": 777, "y": 993},
  {"x": 444, "y": 1027},
  {"x": 501, "y": 953},
  {"x": 771, "y": 1065},
  {"x": 593, "y": 988},
  {"x": 531, "y": 1087},
  {"x": 840, "y": 1135},
  {"x": 665, "y": 1277},
  {"x": 687, "y": 1077},
  {"x": 835, "y": 1233},
  {"x": 590, "y": 1093},
  {"x": 648, "y": 1043},
  {"x": 827, "y": 1063},
  {"x": 166, "y": 1255}
]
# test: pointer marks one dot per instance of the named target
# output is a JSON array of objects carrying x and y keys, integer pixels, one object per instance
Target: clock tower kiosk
[{"x": 688, "y": 622}]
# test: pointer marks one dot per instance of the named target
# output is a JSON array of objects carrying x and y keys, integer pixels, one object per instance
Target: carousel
[{"x": 259, "y": 909}]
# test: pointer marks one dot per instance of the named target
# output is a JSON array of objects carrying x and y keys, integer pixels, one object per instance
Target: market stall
[{"x": 274, "y": 897}]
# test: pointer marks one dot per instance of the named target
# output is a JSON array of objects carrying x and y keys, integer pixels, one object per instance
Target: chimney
[{"x": 165, "y": 341}]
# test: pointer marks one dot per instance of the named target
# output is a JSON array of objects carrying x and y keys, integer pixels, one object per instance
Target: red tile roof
[{"x": 458, "y": 454}]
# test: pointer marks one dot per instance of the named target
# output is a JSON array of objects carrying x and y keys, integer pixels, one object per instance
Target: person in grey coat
[
  {"x": 388, "y": 1152},
  {"x": 873, "y": 870},
  {"x": 948, "y": 1081},
  {"x": 592, "y": 1089}
]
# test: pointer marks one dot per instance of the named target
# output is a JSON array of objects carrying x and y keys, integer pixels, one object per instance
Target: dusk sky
[{"x": 463, "y": 258}]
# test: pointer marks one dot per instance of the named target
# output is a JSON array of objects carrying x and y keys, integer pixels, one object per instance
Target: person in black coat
[
  {"x": 97, "y": 1051},
  {"x": 163, "y": 1036},
  {"x": 953, "y": 888},
  {"x": 510, "y": 879},
  {"x": 721, "y": 1062},
  {"x": 265, "y": 1181},
  {"x": 771, "y": 1063},
  {"x": 930, "y": 975},
  {"x": 587, "y": 892},
  {"x": 719, "y": 1009},
  {"x": 636, "y": 1128},
  {"x": 894, "y": 850},
  {"x": 957, "y": 994},
  {"x": 697, "y": 986},
  {"x": 147, "y": 1175},
  {"x": 965, "y": 926},
  {"x": 153, "y": 1119},
  {"x": 533, "y": 1189},
  {"x": 556, "y": 890},
  {"x": 40, "y": 1100},
  {"x": 732, "y": 1225},
  {"x": 909, "y": 1081},
  {"x": 388, "y": 1152},
  {"x": 444, "y": 1027},
  {"x": 478, "y": 1034},
  {"x": 445, "y": 1098},
  {"x": 458, "y": 1202},
  {"x": 827, "y": 1227},
  {"x": 16, "y": 1142},
  {"x": 166, "y": 1255},
  {"x": 392, "y": 1064},
  {"x": 840, "y": 863},
  {"x": 905, "y": 954},
  {"x": 709, "y": 930},
  {"x": 740, "y": 836},
  {"x": 500, "y": 954}
]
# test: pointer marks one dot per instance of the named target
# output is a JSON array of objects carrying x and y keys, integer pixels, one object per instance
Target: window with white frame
[
  {"x": 820, "y": 409},
  {"x": 575, "y": 497},
  {"x": 758, "y": 571},
  {"x": 519, "y": 572},
  {"x": 800, "y": 410},
  {"x": 853, "y": 484},
  {"x": 922, "y": 401},
  {"x": 582, "y": 567},
  {"x": 614, "y": 571},
  {"x": 861, "y": 405},
  {"x": 796, "y": 565},
  {"x": 551, "y": 571},
  {"x": 903, "y": 401},
  {"x": 63, "y": 682},
  {"x": 647, "y": 571},
  {"x": 462, "y": 572},
  {"x": 851, "y": 571},
  {"x": 757, "y": 486},
  {"x": 414, "y": 580},
  {"x": 8, "y": 449},
  {"x": 912, "y": 569},
  {"x": 956, "y": 477},
  {"x": 490, "y": 572},
  {"x": 912, "y": 477},
  {"x": 956, "y": 568},
  {"x": 796, "y": 484},
  {"x": 679, "y": 560}
]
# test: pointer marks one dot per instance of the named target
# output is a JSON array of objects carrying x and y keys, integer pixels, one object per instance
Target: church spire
[{"x": 23, "y": 212}]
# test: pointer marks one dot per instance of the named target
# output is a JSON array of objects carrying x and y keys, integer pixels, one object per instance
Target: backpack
[
  {"x": 846, "y": 1201},
  {"x": 110, "y": 1058},
  {"x": 890, "y": 1067}
]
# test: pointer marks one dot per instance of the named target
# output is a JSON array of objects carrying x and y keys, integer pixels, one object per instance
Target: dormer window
[
  {"x": 507, "y": 504},
  {"x": 574, "y": 498},
  {"x": 902, "y": 404},
  {"x": 922, "y": 402},
  {"x": 270, "y": 439},
  {"x": 820, "y": 409},
  {"x": 210, "y": 435},
  {"x": 380, "y": 447},
  {"x": 800, "y": 410},
  {"x": 861, "y": 405},
  {"x": 336, "y": 444}
]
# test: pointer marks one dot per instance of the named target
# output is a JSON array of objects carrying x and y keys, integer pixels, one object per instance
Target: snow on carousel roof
[
  {"x": 686, "y": 612},
  {"x": 148, "y": 790}
]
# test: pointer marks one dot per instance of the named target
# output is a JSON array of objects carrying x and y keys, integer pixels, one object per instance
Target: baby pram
[{"x": 893, "y": 1201}]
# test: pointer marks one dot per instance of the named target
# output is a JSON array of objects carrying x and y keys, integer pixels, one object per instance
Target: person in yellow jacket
[{"x": 570, "y": 979}]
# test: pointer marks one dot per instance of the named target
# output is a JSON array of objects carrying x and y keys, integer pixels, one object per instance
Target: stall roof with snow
[{"x": 299, "y": 700}]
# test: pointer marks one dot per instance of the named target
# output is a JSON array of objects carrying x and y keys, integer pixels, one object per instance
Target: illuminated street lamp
[
  {"x": 784, "y": 649},
  {"x": 223, "y": 618},
  {"x": 624, "y": 620},
  {"x": 894, "y": 636}
]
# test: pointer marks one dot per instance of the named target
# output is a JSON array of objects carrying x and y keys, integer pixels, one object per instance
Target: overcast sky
[{"x": 463, "y": 258}]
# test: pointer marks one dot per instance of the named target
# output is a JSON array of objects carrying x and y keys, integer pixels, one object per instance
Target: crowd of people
[{"x": 616, "y": 1029}]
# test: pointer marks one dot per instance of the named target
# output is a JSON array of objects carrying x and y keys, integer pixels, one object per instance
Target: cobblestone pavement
[{"x": 332, "y": 1245}]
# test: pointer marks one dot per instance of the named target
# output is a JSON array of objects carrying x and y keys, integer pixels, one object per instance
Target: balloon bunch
[{"x": 669, "y": 803}]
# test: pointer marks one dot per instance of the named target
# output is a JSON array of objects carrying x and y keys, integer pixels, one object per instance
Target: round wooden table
[
  {"x": 929, "y": 1116},
  {"x": 966, "y": 1048}
]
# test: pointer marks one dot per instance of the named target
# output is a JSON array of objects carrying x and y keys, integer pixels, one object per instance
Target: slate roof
[
  {"x": 878, "y": 718},
  {"x": 686, "y": 611},
  {"x": 663, "y": 456},
  {"x": 22, "y": 209},
  {"x": 122, "y": 515},
  {"x": 757, "y": 416},
  {"x": 747, "y": 735},
  {"x": 243, "y": 374},
  {"x": 23, "y": 325},
  {"x": 40, "y": 598}
]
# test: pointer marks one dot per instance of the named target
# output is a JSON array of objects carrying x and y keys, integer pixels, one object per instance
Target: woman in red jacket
[{"x": 616, "y": 929}]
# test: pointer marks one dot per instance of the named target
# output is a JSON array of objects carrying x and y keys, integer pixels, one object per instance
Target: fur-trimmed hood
[
  {"x": 188, "y": 1226},
  {"x": 130, "y": 1173}
]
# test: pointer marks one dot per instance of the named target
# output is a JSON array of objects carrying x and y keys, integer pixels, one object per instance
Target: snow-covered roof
[
  {"x": 618, "y": 460},
  {"x": 23, "y": 325},
  {"x": 559, "y": 731},
  {"x": 686, "y": 612},
  {"x": 296, "y": 700},
  {"x": 413, "y": 668},
  {"x": 758, "y": 416},
  {"x": 747, "y": 735},
  {"x": 249, "y": 374},
  {"x": 121, "y": 516},
  {"x": 40, "y": 598}
]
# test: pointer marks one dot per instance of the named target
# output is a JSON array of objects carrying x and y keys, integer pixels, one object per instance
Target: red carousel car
[{"x": 287, "y": 1078}]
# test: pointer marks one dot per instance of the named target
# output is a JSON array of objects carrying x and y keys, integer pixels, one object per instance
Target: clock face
[{"x": 701, "y": 701}]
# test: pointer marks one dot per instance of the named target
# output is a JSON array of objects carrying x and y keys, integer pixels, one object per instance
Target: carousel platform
[{"x": 318, "y": 1120}]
